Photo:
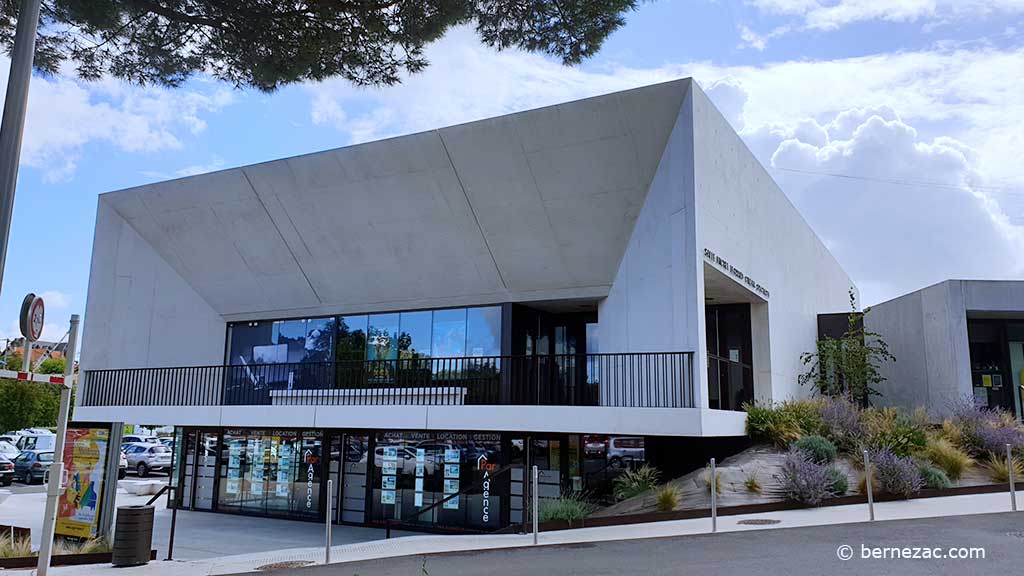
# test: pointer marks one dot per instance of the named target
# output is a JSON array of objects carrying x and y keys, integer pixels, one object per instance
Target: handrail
[
  {"x": 477, "y": 484},
  {"x": 629, "y": 380}
]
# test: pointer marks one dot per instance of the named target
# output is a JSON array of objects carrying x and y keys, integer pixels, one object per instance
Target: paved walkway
[{"x": 431, "y": 544}]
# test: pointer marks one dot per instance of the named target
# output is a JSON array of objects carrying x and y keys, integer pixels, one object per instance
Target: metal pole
[
  {"x": 867, "y": 484},
  {"x": 13, "y": 124},
  {"x": 1009, "y": 468},
  {"x": 714, "y": 497},
  {"x": 26, "y": 358},
  {"x": 57, "y": 467},
  {"x": 174, "y": 522},
  {"x": 327, "y": 517},
  {"x": 534, "y": 508}
]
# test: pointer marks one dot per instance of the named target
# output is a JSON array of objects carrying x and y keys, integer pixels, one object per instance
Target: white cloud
[
  {"x": 953, "y": 116},
  {"x": 833, "y": 14},
  {"x": 215, "y": 163},
  {"x": 759, "y": 42},
  {"x": 65, "y": 114},
  {"x": 55, "y": 299}
]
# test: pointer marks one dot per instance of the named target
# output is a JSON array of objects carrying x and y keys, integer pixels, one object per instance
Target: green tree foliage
[
  {"x": 25, "y": 404},
  {"x": 13, "y": 362},
  {"x": 848, "y": 366},
  {"x": 51, "y": 366},
  {"x": 266, "y": 44}
]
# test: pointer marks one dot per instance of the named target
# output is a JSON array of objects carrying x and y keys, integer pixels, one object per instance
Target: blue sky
[{"x": 920, "y": 100}]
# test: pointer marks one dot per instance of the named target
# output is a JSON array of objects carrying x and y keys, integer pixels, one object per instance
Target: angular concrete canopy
[{"x": 528, "y": 206}]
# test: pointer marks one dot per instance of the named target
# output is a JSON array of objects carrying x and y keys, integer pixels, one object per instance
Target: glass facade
[
  {"x": 446, "y": 333},
  {"x": 730, "y": 356},
  {"x": 414, "y": 470},
  {"x": 270, "y": 472}
]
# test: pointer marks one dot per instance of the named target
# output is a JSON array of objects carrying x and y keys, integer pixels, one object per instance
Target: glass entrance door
[{"x": 205, "y": 460}]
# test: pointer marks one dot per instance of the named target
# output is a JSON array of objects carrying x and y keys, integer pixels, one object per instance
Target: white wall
[
  {"x": 652, "y": 304},
  {"x": 139, "y": 311},
  {"x": 745, "y": 218}
]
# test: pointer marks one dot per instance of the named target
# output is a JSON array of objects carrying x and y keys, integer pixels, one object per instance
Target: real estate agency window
[{"x": 271, "y": 472}]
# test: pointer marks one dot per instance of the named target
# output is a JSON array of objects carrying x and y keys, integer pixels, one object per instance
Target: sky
[{"x": 896, "y": 128}]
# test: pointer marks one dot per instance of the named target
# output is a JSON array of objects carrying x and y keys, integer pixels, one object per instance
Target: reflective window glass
[
  {"x": 382, "y": 337},
  {"x": 319, "y": 339},
  {"x": 483, "y": 331},
  {"x": 351, "y": 338},
  {"x": 414, "y": 334},
  {"x": 244, "y": 337},
  {"x": 449, "y": 333},
  {"x": 289, "y": 339}
]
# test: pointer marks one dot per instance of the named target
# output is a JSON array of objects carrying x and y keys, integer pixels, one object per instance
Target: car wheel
[
  {"x": 7, "y": 481},
  {"x": 615, "y": 462},
  {"x": 121, "y": 473},
  {"x": 142, "y": 470}
]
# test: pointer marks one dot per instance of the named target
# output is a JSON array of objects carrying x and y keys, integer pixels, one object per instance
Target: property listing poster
[{"x": 85, "y": 458}]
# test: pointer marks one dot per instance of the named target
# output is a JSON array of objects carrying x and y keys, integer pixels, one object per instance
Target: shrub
[
  {"x": 840, "y": 423},
  {"x": 571, "y": 508},
  {"x": 668, "y": 498},
  {"x": 15, "y": 548},
  {"x": 634, "y": 482},
  {"x": 996, "y": 467},
  {"x": 707, "y": 480},
  {"x": 803, "y": 480},
  {"x": 933, "y": 477},
  {"x": 947, "y": 457},
  {"x": 838, "y": 481},
  {"x": 752, "y": 482},
  {"x": 74, "y": 546},
  {"x": 862, "y": 485},
  {"x": 784, "y": 423},
  {"x": 819, "y": 449},
  {"x": 891, "y": 430},
  {"x": 895, "y": 474},
  {"x": 983, "y": 430}
]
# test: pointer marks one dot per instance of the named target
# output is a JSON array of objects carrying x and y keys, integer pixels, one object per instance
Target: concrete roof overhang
[{"x": 536, "y": 205}]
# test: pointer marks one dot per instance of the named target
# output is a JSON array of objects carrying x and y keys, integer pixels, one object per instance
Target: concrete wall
[
  {"x": 743, "y": 216},
  {"x": 926, "y": 331},
  {"x": 139, "y": 311},
  {"x": 653, "y": 302}
]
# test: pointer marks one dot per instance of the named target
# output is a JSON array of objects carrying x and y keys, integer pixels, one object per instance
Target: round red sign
[{"x": 33, "y": 312}]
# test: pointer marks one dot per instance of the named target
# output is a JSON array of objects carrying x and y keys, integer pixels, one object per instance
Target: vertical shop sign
[{"x": 85, "y": 457}]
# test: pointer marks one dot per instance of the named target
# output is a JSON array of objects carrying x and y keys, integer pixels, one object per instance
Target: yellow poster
[
  {"x": 986, "y": 380},
  {"x": 85, "y": 457}
]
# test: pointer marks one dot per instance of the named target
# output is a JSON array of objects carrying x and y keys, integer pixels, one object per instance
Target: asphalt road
[{"x": 788, "y": 551}]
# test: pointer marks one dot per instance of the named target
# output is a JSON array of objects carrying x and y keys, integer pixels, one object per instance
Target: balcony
[{"x": 631, "y": 380}]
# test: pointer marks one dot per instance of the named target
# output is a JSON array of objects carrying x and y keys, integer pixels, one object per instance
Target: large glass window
[
  {"x": 382, "y": 343},
  {"x": 351, "y": 338},
  {"x": 730, "y": 370},
  {"x": 483, "y": 331},
  {"x": 272, "y": 472},
  {"x": 414, "y": 334},
  {"x": 449, "y": 340}
]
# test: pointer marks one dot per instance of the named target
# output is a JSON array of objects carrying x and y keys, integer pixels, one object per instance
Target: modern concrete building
[
  {"x": 575, "y": 287},
  {"x": 954, "y": 340}
]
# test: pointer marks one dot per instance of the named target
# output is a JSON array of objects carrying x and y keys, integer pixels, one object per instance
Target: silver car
[{"x": 146, "y": 458}]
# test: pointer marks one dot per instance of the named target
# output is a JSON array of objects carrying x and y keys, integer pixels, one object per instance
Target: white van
[{"x": 36, "y": 442}]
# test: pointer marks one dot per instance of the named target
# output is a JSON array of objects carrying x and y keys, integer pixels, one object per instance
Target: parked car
[
  {"x": 35, "y": 441},
  {"x": 10, "y": 437},
  {"x": 146, "y": 458},
  {"x": 625, "y": 449},
  {"x": 9, "y": 450},
  {"x": 138, "y": 439},
  {"x": 122, "y": 465},
  {"x": 595, "y": 446},
  {"x": 31, "y": 466},
  {"x": 6, "y": 471},
  {"x": 167, "y": 441}
]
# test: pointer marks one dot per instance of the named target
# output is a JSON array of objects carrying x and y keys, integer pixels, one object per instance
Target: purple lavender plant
[
  {"x": 841, "y": 419},
  {"x": 985, "y": 430},
  {"x": 803, "y": 480},
  {"x": 897, "y": 475}
]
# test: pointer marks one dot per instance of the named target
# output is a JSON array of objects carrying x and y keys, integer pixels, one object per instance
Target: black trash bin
[{"x": 133, "y": 536}]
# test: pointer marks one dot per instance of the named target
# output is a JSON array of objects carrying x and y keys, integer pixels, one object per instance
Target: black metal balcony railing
[{"x": 640, "y": 380}]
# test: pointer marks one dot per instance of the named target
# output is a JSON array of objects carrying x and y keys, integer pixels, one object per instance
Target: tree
[
  {"x": 51, "y": 366},
  {"x": 25, "y": 404},
  {"x": 13, "y": 363},
  {"x": 266, "y": 44},
  {"x": 848, "y": 366}
]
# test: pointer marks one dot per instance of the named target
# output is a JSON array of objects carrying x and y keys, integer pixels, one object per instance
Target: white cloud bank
[
  {"x": 64, "y": 115},
  {"x": 950, "y": 117}
]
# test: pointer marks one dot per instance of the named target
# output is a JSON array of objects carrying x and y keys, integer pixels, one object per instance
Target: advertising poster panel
[{"x": 85, "y": 458}]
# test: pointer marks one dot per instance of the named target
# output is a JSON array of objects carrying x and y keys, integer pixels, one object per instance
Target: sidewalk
[{"x": 432, "y": 544}]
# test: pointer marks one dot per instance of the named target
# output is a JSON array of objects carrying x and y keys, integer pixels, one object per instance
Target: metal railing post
[
  {"x": 867, "y": 485},
  {"x": 327, "y": 521},
  {"x": 174, "y": 521},
  {"x": 714, "y": 497},
  {"x": 1009, "y": 468},
  {"x": 534, "y": 508}
]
